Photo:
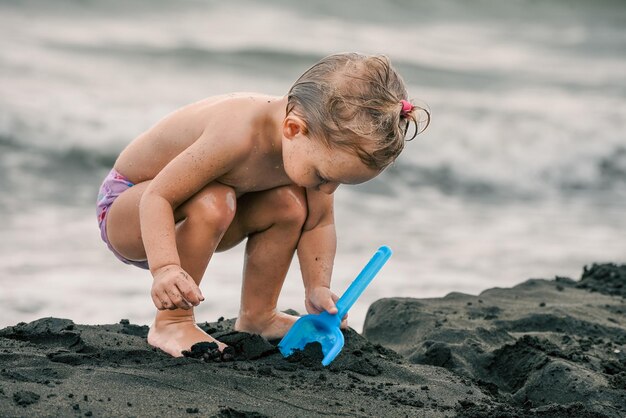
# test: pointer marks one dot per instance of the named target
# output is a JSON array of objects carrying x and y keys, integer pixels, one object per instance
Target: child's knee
[
  {"x": 290, "y": 205},
  {"x": 213, "y": 206}
]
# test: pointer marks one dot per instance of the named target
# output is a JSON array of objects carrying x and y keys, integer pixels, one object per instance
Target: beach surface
[{"x": 544, "y": 348}]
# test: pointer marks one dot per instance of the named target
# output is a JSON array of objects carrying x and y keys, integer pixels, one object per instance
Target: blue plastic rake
[{"x": 324, "y": 327}]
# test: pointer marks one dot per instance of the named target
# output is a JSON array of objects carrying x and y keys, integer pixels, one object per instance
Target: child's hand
[
  {"x": 321, "y": 299},
  {"x": 173, "y": 288}
]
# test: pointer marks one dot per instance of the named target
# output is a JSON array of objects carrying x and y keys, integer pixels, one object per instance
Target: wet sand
[{"x": 545, "y": 348}]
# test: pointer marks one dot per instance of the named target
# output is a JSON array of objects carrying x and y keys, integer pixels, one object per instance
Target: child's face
[{"x": 311, "y": 164}]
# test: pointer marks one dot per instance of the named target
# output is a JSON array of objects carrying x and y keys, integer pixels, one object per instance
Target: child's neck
[{"x": 275, "y": 117}]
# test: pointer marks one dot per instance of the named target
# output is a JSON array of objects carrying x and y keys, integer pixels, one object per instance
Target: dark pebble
[{"x": 25, "y": 397}]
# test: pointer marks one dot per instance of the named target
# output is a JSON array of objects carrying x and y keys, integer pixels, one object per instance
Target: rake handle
[{"x": 364, "y": 278}]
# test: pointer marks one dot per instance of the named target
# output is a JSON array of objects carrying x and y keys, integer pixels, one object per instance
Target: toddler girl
[{"x": 247, "y": 165}]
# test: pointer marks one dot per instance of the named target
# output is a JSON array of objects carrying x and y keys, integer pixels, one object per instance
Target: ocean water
[{"x": 521, "y": 174}]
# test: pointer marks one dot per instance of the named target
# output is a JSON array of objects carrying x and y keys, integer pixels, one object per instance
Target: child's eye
[{"x": 321, "y": 179}]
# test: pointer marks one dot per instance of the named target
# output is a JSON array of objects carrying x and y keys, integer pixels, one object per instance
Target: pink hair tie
[{"x": 406, "y": 108}]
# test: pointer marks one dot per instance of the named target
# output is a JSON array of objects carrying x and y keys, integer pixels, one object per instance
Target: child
[{"x": 227, "y": 168}]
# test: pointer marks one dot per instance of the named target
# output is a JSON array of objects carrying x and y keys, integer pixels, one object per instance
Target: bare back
[{"x": 244, "y": 115}]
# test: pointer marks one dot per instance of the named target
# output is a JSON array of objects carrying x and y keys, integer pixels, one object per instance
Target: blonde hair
[{"x": 353, "y": 101}]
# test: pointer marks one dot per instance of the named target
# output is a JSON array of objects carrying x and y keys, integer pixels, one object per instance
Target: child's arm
[
  {"x": 209, "y": 157},
  {"x": 316, "y": 253}
]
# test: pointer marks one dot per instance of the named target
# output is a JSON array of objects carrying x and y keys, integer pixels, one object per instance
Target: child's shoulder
[
  {"x": 239, "y": 101},
  {"x": 240, "y": 110},
  {"x": 227, "y": 115},
  {"x": 236, "y": 119}
]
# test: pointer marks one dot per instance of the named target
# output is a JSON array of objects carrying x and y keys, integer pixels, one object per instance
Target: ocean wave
[
  {"x": 609, "y": 173},
  {"x": 608, "y": 178},
  {"x": 255, "y": 59},
  {"x": 29, "y": 156}
]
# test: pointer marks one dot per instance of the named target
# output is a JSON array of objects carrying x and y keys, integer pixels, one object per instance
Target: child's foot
[
  {"x": 175, "y": 331},
  {"x": 270, "y": 326}
]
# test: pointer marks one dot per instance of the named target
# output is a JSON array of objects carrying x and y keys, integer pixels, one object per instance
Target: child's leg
[
  {"x": 201, "y": 223},
  {"x": 272, "y": 221}
]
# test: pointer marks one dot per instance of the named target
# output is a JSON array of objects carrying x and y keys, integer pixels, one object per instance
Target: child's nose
[{"x": 329, "y": 187}]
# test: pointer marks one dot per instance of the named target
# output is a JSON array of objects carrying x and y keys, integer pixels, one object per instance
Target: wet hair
[{"x": 353, "y": 101}]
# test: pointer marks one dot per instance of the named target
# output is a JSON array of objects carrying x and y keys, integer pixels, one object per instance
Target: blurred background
[{"x": 521, "y": 174}]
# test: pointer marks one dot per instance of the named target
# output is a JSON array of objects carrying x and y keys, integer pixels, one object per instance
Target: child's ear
[{"x": 292, "y": 126}]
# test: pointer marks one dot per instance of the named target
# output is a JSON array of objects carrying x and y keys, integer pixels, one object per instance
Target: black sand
[{"x": 545, "y": 348}]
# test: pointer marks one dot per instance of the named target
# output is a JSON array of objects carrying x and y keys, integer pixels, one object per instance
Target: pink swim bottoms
[{"x": 113, "y": 185}]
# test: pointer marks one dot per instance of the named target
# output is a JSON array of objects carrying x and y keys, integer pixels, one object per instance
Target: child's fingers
[
  {"x": 164, "y": 299},
  {"x": 157, "y": 302},
  {"x": 194, "y": 287},
  {"x": 177, "y": 299},
  {"x": 190, "y": 291},
  {"x": 329, "y": 306},
  {"x": 312, "y": 309},
  {"x": 334, "y": 299},
  {"x": 344, "y": 322}
]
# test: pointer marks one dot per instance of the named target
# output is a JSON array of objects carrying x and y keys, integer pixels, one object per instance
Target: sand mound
[{"x": 547, "y": 347}]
